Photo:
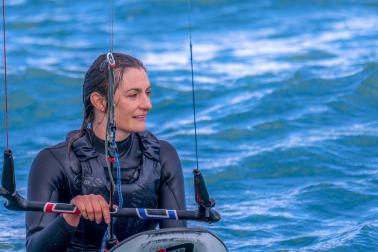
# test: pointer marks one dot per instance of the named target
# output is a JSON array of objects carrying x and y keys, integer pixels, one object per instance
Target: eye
[
  {"x": 132, "y": 95},
  {"x": 148, "y": 92}
]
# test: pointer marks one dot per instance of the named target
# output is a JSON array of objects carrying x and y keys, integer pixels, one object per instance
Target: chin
[
  {"x": 135, "y": 127},
  {"x": 138, "y": 128}
]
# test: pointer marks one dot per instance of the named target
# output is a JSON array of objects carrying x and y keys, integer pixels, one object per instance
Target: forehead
[{"x": 135, "y": 78}]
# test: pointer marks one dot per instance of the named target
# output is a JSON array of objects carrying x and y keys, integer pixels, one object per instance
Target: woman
[{"x": 75, "y": 171}]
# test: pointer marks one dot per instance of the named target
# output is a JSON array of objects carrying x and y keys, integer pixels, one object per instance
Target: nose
[{"x": 145, "y": 102}]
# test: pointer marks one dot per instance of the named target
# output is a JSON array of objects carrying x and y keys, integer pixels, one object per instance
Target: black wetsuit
[{"x": 52, "y": 178}]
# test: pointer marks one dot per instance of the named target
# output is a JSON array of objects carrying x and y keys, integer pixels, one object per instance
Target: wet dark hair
[{"x": 96, "y": 80}]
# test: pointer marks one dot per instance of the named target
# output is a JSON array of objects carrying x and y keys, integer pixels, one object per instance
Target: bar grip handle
[{"x": 8, "y": 180}]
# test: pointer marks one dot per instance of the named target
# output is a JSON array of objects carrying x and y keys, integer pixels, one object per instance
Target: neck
[{"x": 99, "y": 129}]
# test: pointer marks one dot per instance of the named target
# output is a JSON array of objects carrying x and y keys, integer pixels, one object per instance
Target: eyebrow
[{"x": 136, "y": 89}]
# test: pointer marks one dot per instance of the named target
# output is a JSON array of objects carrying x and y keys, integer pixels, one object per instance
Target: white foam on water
[
  {"x": 31, "y": 40},
  {"x": 248, "y": 46},
  {"x": 205, "y": 51},
  {"x": 315, "y": 109},
  {"x": 39, "y": 17},
  {"x": 210, "y": 164},
  {"x": 238, "y": 70},
  {"x": 206, "y": 80},
  {"x": 255, "y": 55},
  {"x": 243, "y": 47},
  {"x": 266, "y": 67},
  {"x": 295, "y": 140},
  {"x": 261, "y": 206},
  {"x": 309, "y": 137},
  {"x": 359, "y": 25},
  {"x": 260, "y": 54},
  {"x": 207, "y": 115},
  {"x": 167, "y": 61},
  {"x": 213, "y": 108},
  {"x": 335, "y": 234},
  {"x": 332, "y": 36},
  {"x": 190, "y": 132},
  {"x": 11, "y": 230},
  {"x": 239, "y": 98},
  {"x": 336, "y": 62},
  {"x": 257, "y": 95},
  {"x": 75, "y": 44},
  {"x": 188, "y": 121},
  {"x": 43, "y": 61},
  {"x": 340, "y": 234}
]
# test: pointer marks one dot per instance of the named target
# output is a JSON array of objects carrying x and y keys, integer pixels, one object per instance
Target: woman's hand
[{"x": 92, "y": 207}]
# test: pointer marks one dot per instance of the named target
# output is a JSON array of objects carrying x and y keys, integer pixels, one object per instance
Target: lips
[{"x": 140, "y": 117}]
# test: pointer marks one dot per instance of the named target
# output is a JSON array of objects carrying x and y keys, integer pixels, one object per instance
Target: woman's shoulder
[
  {"x": 166, "y": 148},
  {"x": 49, "y": 166},
  {"x": 52, "y": 154},
  {"x": 56, "y": 149},
  {"x": 169, "y": 159}
]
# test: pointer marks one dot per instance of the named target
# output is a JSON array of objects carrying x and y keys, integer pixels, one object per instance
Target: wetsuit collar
[{"x": 99, "y": 144}]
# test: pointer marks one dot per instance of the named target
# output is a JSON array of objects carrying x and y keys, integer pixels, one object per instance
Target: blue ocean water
[{"x": 287, "y": 107}]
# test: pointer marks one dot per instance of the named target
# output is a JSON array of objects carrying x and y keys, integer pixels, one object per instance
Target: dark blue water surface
[{"x": 287, "y": 107}]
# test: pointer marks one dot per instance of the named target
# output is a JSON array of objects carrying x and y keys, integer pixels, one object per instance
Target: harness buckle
[
  {"x": 112, "y": 159},
  {"x": 110, "y": 59}
]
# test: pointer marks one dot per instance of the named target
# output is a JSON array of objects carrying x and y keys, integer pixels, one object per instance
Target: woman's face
[{"x": 132, "y": 102}]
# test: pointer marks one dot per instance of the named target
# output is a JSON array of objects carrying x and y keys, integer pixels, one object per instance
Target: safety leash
[
  {"x": 5, "y": 80},
  {"x": 204, "y": 202}
]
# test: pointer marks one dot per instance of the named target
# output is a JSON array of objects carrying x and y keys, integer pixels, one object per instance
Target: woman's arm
[
  {"x": 46, "y": 231},
  {"x": 172, "y": 190}
]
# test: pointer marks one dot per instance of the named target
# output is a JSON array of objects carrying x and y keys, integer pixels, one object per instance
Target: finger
[
  {"x": 97, "y": 208},
  {"x": 104, "y": 209},
  {"x": 79, "y": 202},
  {"x": 88, "y": 207}
]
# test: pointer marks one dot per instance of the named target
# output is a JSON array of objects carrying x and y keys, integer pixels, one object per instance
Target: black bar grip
[
  {"x": 200, "y": 189},
  {"x": 8, "y": 181}
]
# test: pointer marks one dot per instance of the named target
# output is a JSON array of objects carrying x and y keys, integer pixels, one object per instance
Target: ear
[{"x": 98, "y": 101}]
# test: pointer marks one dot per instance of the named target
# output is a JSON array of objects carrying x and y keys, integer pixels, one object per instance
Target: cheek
[{"x": 124, "y": 109}]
